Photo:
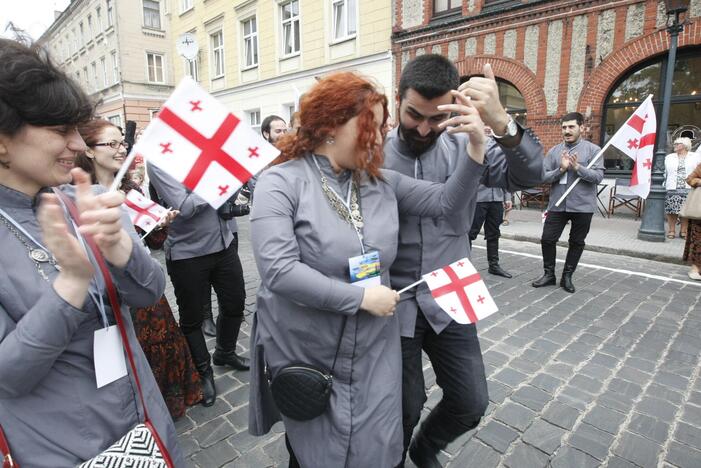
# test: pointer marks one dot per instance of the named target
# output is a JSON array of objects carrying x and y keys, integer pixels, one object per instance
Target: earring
[{"x": 330, "y": 141}]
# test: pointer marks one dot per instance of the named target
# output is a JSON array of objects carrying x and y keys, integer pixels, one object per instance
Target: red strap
[
  {"x": 7, "y": 461},
  {"x": 111, "y": 293}
]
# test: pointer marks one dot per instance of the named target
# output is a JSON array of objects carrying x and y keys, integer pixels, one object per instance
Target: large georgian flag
[
  {"x": 143, "y": 212},
  {"x": 636, "y": 138},
  {"x": 460, "y": 292},
  {"x": 196, "y": 140}
]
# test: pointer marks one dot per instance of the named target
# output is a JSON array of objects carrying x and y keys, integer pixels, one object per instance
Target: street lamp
[{"x": 652, "y": 226}]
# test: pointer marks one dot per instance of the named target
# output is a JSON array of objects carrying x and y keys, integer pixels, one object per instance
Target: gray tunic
[
  {"x": 197, "y": 230},
  {"x": 50, "y": 408},
  {"x": 582, "y": 198},
  {"x": 426, "y": 243},
  {"x": 302, "y": 247}
]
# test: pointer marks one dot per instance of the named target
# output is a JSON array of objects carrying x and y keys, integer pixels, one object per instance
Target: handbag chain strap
[{"x": 338, "y": 345}]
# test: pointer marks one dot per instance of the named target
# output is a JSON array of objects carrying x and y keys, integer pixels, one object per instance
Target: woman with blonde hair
[
  {"x": 678, "y": 166},
  {"x": 326, "y": 208}
]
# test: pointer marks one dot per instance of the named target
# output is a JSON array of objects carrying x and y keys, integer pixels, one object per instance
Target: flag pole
[
  {"x": 576, "y": 181},
  {"x": 122, "y": 171},
  {"x": 412, "y": 285}
]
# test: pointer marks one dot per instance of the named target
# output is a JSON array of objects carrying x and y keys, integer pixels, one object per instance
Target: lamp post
[{"x": 652, "y": 226}]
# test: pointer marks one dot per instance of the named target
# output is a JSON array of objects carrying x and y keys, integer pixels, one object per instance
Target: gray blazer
[
  {"x": 302, "y": 247},
  {"x": 428, "y": 243},
  {"x": 582, "y": 198},
  {"x": 50, "y": 408}
]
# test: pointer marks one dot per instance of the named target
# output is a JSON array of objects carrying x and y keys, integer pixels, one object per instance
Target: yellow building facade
[{"x": 259, "y": 56}]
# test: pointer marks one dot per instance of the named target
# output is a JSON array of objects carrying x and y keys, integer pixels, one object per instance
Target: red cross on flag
[
  {"x": 636, "y": 138},
  {"x": 143, "y": 212},
  {"x": 197, "y": 141},
  {"x": 460, "y": 292}
]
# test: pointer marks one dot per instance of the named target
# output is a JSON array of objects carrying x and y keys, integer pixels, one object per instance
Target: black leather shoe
[
  {"x": 498, "y": 271},
  {"x": 208, "y": 327},
  {"x": 209, "y": 391},
  {"x": 230, "y": 359},
  {"x": 566, "y": 281},
  {"x": 548, "y": 279},
  {"x": 422, "y": 455}
]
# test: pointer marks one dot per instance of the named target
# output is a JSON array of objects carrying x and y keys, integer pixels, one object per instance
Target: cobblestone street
[{"x": 608, "y": 376}]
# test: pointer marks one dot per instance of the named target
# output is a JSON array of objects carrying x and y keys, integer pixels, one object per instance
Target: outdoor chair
[
  {"x": 538, "y": 195},
  {"x": 621, "y": 197}
]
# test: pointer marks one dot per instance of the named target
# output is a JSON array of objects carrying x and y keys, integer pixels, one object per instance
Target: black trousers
[
  {"x": 491, "y": 214},
  {"x": 193, "y": 279},
  {"x": 456, "y": 358},
  {"x": 555, "y": 223}
]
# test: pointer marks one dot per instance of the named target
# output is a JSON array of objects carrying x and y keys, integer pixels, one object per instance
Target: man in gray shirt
[
  {"x": 201, "y": 253},
  {"x": 489, "y": 212},
  {"x": 421, "y": 147},
  {"x": 564, "y": 163}
]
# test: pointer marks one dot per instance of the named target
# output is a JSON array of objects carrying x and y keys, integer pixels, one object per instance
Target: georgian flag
[
  {"x": 636, "y": 138},
  {"x": 197, "y": 141},
  {"x": 143, "y": 212},
  {"x": 460, "y": 292}
]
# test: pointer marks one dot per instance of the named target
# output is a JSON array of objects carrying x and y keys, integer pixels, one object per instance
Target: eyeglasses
[{"x": 114, "y": 144}]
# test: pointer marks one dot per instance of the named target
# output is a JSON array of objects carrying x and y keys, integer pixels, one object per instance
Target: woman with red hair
[{"x": 324, "y": 230}]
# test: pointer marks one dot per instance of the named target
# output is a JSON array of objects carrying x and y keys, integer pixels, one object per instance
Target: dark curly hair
[
  {"x": 332, "y": 102},
  {"x": 34, "y": 91}
]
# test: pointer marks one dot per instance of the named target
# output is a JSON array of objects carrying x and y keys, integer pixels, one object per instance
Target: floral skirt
[
  {"x": 169, "y": 356},
  {"x": 673, "y": 201},
  {"x": 692, "y": 248}
]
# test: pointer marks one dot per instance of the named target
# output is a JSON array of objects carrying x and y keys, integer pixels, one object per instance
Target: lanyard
[
  {"x": 346, "y": 204},
  {"x": 97, "y": 299}
]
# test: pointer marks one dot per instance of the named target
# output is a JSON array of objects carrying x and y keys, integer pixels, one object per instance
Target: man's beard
[{"x": 416, "y": 143}]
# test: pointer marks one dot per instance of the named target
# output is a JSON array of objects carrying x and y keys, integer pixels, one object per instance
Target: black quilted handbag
[{"x": 302, "y": 391}]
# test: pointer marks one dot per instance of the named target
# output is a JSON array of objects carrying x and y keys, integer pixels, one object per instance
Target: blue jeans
[{"x": 456, "y": 358}]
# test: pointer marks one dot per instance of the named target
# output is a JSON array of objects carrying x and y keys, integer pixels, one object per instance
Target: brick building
[{"x": 598, "y": 57}]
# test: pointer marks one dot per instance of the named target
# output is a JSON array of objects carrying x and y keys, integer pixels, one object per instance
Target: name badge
[
  {"x": 365, "y": 270},
  {"x": 563, "y": 179},
  {"x": 108, "y": 353}
]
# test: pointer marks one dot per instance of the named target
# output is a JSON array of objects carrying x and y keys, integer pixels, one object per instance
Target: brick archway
[
  {"x": 512, "y": 71},
  {"x": 616, "y": 65}
]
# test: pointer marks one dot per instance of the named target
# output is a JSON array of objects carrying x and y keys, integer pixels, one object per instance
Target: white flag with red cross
[
  {"x": 636, "y": 138},
  {"x": 460, "y": 292},
  {"x": 197, "y": 141},
  {"x": 143, "y": 212}
]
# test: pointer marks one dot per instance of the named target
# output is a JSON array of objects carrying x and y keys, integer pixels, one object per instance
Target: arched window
[
  {"x": 510, "y": 97},
  {"x": 633, "y": 88}
]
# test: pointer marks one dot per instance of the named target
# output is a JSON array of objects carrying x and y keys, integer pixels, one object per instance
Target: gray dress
[
  {"x": 302, "y": 246},
  {"x": 50, "y": 408}
]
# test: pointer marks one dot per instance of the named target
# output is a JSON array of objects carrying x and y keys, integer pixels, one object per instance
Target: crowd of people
[{"x": 348, "y": 189}]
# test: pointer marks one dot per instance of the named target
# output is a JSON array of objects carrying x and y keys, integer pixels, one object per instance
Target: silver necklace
[
  {"x": 37, "y": 255},
  {"x": 348, "y": 211}
]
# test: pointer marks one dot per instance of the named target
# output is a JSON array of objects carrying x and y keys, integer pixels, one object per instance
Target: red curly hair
[{"x": 332, "y": 102}]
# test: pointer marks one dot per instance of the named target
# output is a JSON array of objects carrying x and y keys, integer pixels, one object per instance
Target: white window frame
[
  {"x": 218, "y": 67},
  {"x": 110, "y": 13},
  {"x": 103, "y": 65},
  {"x": 115, "y": 67},
  {"x": 91, "y": 30},
  {"x": 93, "y": 68},
  {"x": 250, "y": 42},
  {"x": 151, "y": 16},
  {"x": 347, "y": 10},
  {"x": 154, "y": 78},
  {"x": 186, "y": 5},
  {"x": 192, "y": 68},
  {"x": 87, "y": 77},
  {"x": 253, "y": 119},
  {"x": 115, "y": 120},
  {"x": 98, "y": 16},
  {"x": 289, "y": 26},
  {"x": 74, "y": 42},
  {"x": 81, "y": 27}
]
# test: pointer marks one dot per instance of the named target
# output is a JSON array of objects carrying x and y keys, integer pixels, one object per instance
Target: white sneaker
[{"x": 694, "y": 275}]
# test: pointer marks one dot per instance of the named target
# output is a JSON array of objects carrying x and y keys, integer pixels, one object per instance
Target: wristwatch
[{"x": 511, "y": 130}]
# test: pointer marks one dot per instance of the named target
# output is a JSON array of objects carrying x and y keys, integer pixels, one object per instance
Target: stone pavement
[
  {"x": 618, "y": 234},
  {"x": 608, "y": 376}
]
